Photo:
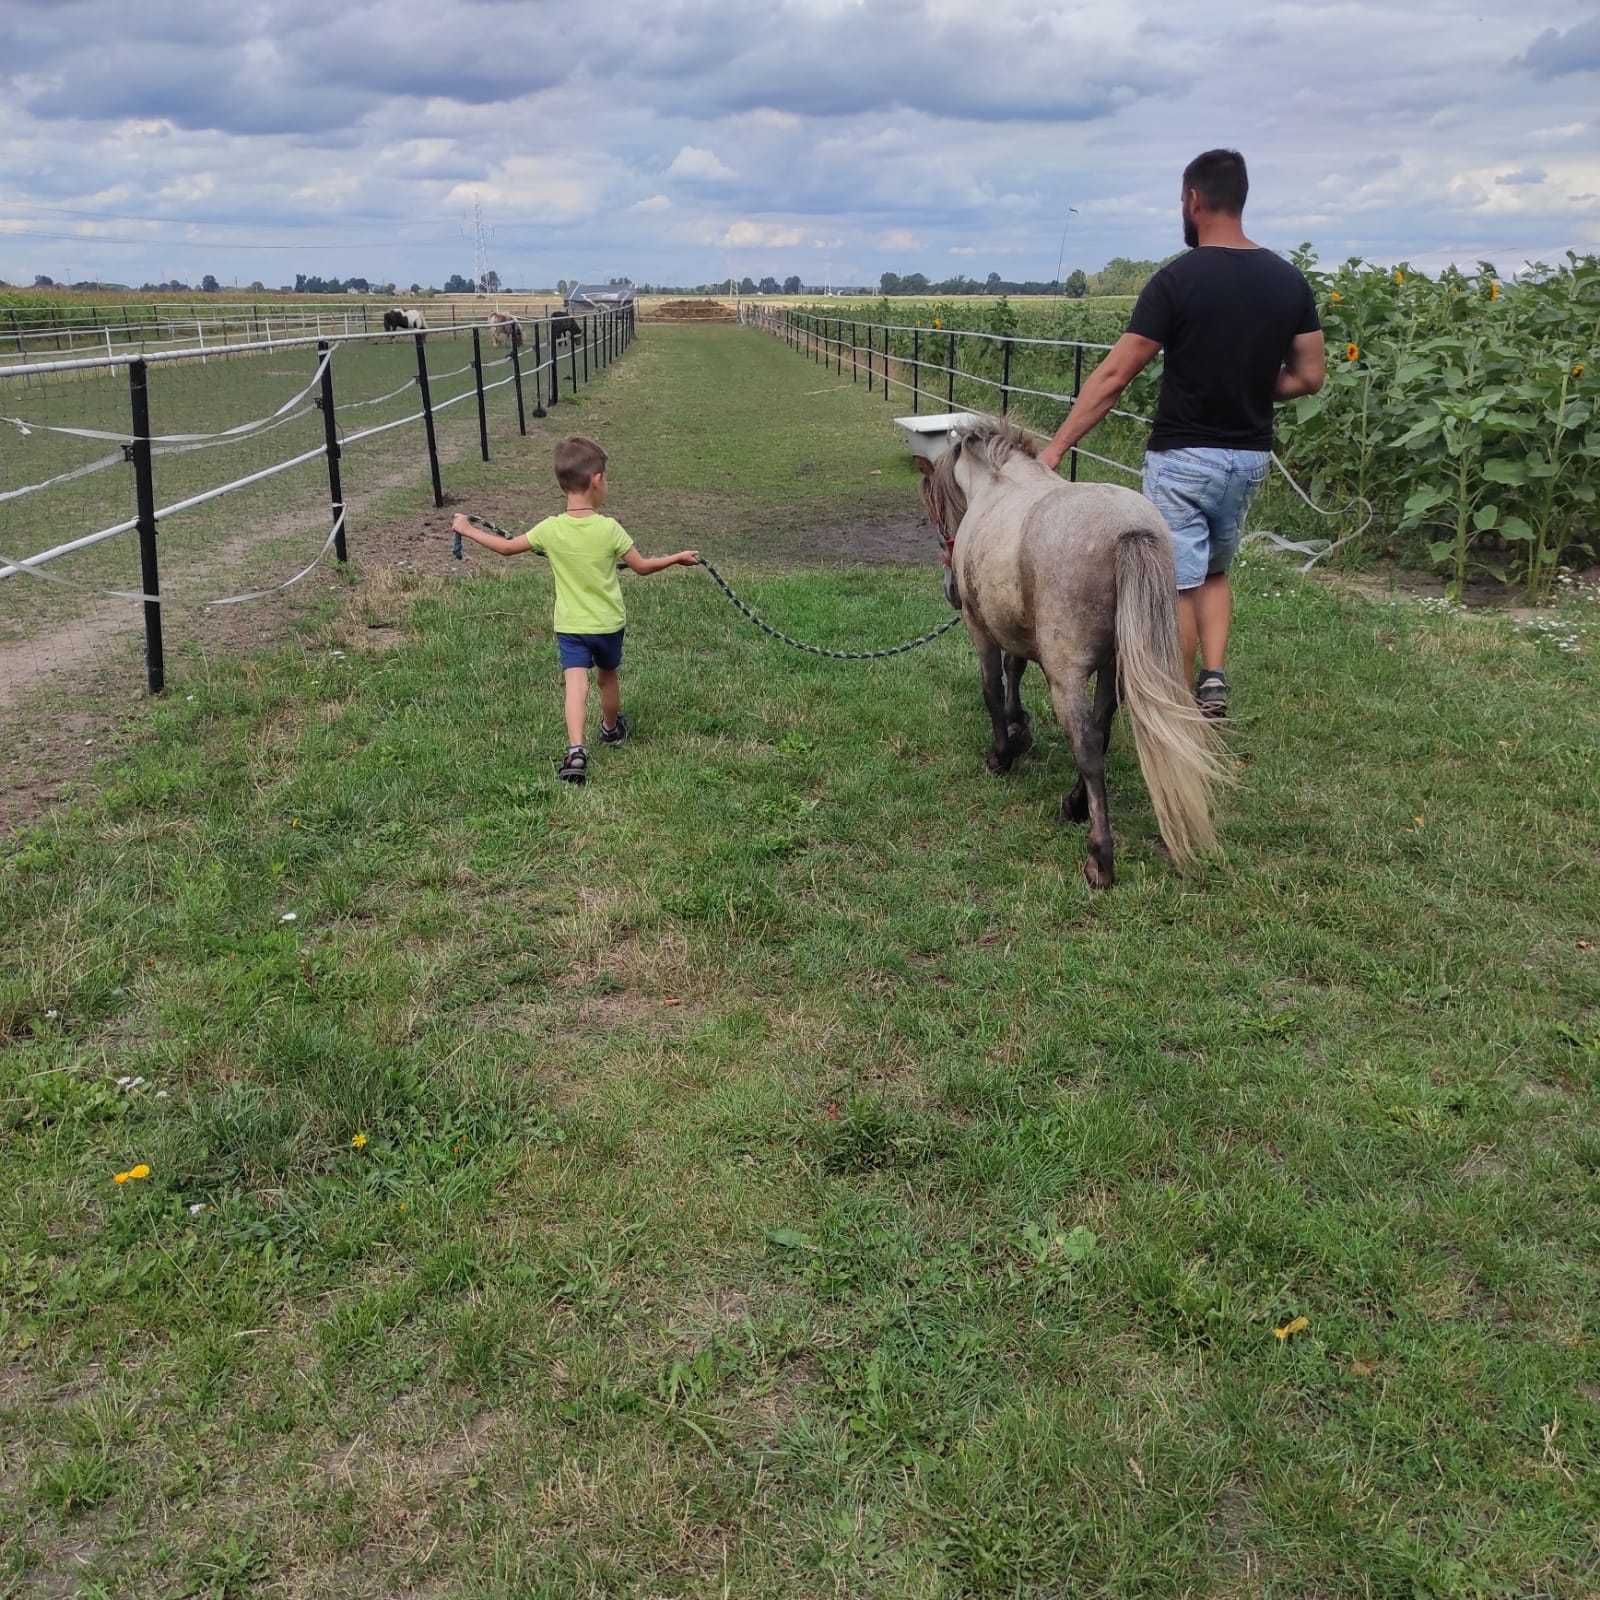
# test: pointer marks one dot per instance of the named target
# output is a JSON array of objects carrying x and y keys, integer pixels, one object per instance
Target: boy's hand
[
  {"x": 687, "y": 558},
  {"x": 459, "y": 523}
]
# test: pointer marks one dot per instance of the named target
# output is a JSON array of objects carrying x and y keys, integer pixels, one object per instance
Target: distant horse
[
  {"x": 1079, "y": 578},
  {"x": 564, "y": 327},
  {"x": 504, "y": 330},
  {"x": 396, "y": 320}
]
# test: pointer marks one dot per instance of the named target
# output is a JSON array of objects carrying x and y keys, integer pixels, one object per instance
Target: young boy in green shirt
[{"x": 584, "y": 548}]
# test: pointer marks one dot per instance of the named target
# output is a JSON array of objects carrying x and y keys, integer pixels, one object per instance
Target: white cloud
[
  {"x": 762, "y": 236},
  {"x": 693, "y": 162},
  {"x": 898, "y": 239},
  {"x": 963, "y": 250},
  {"x": 656, "y": 202}
]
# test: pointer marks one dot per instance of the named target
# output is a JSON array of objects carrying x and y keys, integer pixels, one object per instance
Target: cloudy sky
[{"x": 680, "y": 141}]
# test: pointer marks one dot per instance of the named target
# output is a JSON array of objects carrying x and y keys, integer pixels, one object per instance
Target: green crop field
[{"x": 769, "y": 1171}]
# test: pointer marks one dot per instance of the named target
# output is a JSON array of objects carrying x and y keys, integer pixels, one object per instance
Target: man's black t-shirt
[{"x": 1225, "y": 319}]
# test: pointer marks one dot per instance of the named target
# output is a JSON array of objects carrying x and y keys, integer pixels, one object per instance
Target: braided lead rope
[{"x": 766, "y": 627}]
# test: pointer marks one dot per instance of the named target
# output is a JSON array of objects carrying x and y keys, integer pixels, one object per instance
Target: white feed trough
[{"x": 929, "y": 437}]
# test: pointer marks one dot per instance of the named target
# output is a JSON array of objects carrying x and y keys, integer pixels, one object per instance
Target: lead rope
[{"x": 766, "y": 627}]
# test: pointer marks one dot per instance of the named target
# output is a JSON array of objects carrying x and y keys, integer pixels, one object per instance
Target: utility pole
[{"x": 1072, "y": 211}]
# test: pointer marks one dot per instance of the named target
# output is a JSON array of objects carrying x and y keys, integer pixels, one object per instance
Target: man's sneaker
[
  {"x": 1211, "y": 693},
  {"x": 574, "y": 766},
  {"x": 617, "y": 734}
]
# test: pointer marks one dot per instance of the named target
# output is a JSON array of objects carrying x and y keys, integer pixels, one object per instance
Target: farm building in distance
[{"x": 599, "y": 296}]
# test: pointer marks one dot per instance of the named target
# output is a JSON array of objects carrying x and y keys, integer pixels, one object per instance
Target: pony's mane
[{"x": 990, "y": 440}]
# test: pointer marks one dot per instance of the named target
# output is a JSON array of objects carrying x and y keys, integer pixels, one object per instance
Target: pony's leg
[
  {"x": 1075, "y": 808},
  {"x": 1018, "y": 733},
  {"x": 1088, "y": 750},
  {"x": 1000, "y": 757}
]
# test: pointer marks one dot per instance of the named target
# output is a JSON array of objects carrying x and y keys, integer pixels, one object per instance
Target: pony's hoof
[
  {"x": 998, "y": 763},
  {"x": 1019, "y": 739},
  {"x": 1097, "y": 876},
  {"x": 1075, "y": 805}
]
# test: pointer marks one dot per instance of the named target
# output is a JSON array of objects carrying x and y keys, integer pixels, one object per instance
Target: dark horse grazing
[{"x": 1079, "y": 578}]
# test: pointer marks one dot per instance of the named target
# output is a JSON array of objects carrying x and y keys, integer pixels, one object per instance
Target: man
[{"x": 1240, "y": 330}]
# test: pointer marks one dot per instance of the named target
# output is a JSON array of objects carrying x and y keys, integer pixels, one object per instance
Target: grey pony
[{"x": 1077, "y": 577}]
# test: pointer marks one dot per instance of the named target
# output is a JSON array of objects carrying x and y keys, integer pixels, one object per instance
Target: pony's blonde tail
[{"x": 1180, "y": 751}]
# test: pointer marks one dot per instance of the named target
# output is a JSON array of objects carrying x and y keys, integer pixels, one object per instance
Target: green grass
[{"x": 781, "y": 1176}]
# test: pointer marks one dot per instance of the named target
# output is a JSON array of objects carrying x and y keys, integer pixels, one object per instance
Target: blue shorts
[
  {"x": 1202, "y": 495},
  {"x": 603, "y": 650}
]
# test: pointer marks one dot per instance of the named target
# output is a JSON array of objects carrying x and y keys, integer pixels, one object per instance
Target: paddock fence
[
  {"x": 30, "y": 334},
  {"x": 46, "y": 430},
  {"x": 1032, "y": 381}
]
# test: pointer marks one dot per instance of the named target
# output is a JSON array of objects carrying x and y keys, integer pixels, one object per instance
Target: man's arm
[
  {"x": 1128, "y": 357},
  {"x": 645, "y": 565},
  {"x": 490, "y": 541},
  {"x": 1305, "y": 370}
]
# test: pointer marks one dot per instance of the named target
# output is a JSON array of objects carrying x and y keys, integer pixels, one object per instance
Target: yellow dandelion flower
[
  {"x": 938, "y": 323},
  {"x": 1577, "y": 369},
  {"x": 359, "y": 1141},
  {"x": 120, "y": 1177},
  {"x": 1494, "y": 291},
  {"x": 1352, "y": 351},
  {"x": 1336, "y": 297},
  {"x": 140, "y": 1171},
  {"x": 1399, "y": 276},
  {"x": 1299, "y": 1325}
]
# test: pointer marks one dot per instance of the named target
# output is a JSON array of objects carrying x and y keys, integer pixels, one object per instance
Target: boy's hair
[{"x": 578, "y": 462}]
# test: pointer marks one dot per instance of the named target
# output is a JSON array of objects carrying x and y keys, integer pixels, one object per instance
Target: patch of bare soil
[
  {"x": 1484, "y": 596},
  {"x": 691, "y": 311}
]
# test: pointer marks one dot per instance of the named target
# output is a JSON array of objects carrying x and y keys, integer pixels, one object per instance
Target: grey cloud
[
  {"x": 1523, "y": 176},
  {"x": 1556, "y": 52}
]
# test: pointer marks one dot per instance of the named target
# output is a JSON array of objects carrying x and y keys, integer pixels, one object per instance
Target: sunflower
[
  {"x": 1577, "y": 369},
  {"x": 1399, "y": 276},
  {"x": 1336, "y": 297},
  {"x": 1494, "y": 292},
  {"x": 1352, "y": 351}
]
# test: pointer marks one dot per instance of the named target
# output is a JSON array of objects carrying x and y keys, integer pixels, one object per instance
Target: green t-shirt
[{"x": 583, "y": 553}]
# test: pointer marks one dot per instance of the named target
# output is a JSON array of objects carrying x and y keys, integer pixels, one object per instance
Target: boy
[{"x": 584, "y": 548}]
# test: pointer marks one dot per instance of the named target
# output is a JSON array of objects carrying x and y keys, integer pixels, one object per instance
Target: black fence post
[
  {"x": 330, "y": 434},
  {"x": 516, "y": 374},
  {"x": 572, "y": 355},
  {"x": 871, "y": 352},
  {"x": 916, "y": 370},
  {"x": 427, "y": 420},
  {"x": 1005, "y": 376},
  {"x": 155, "y": 666},
  {"x": 538, "y": 374},
  {"x": 588, "y": 323},
  {"x": 555, "y": 371},
  {"x": 855, "y": 339},
  {"x": 886, "y": 337},
  {"x": 1077, "y": 384},
  {"x": 950, "y": 371},
  {"x": 477, "y": 378}
]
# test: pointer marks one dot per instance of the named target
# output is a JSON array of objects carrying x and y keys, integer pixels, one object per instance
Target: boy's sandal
[{"x": 574, "y": 767}]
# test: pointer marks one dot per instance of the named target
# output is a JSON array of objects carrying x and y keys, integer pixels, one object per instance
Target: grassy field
[{"x": 769, "y": 1171}]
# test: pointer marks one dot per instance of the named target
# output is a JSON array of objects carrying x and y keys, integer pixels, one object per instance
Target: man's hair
[
  {"x": 1219, "y": 177},
  {"x": 578, "y": 461}
]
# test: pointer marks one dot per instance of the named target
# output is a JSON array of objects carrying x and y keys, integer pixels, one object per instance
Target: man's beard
[{"x": 1191, "y": 234}]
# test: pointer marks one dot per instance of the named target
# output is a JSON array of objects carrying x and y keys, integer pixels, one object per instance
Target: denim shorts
[
  {"x": 1202, "y": 495},
  {"x": 603, "y": 650}
]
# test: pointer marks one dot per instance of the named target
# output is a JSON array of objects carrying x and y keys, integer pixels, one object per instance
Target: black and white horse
[{"x": 398, "y": 320}]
